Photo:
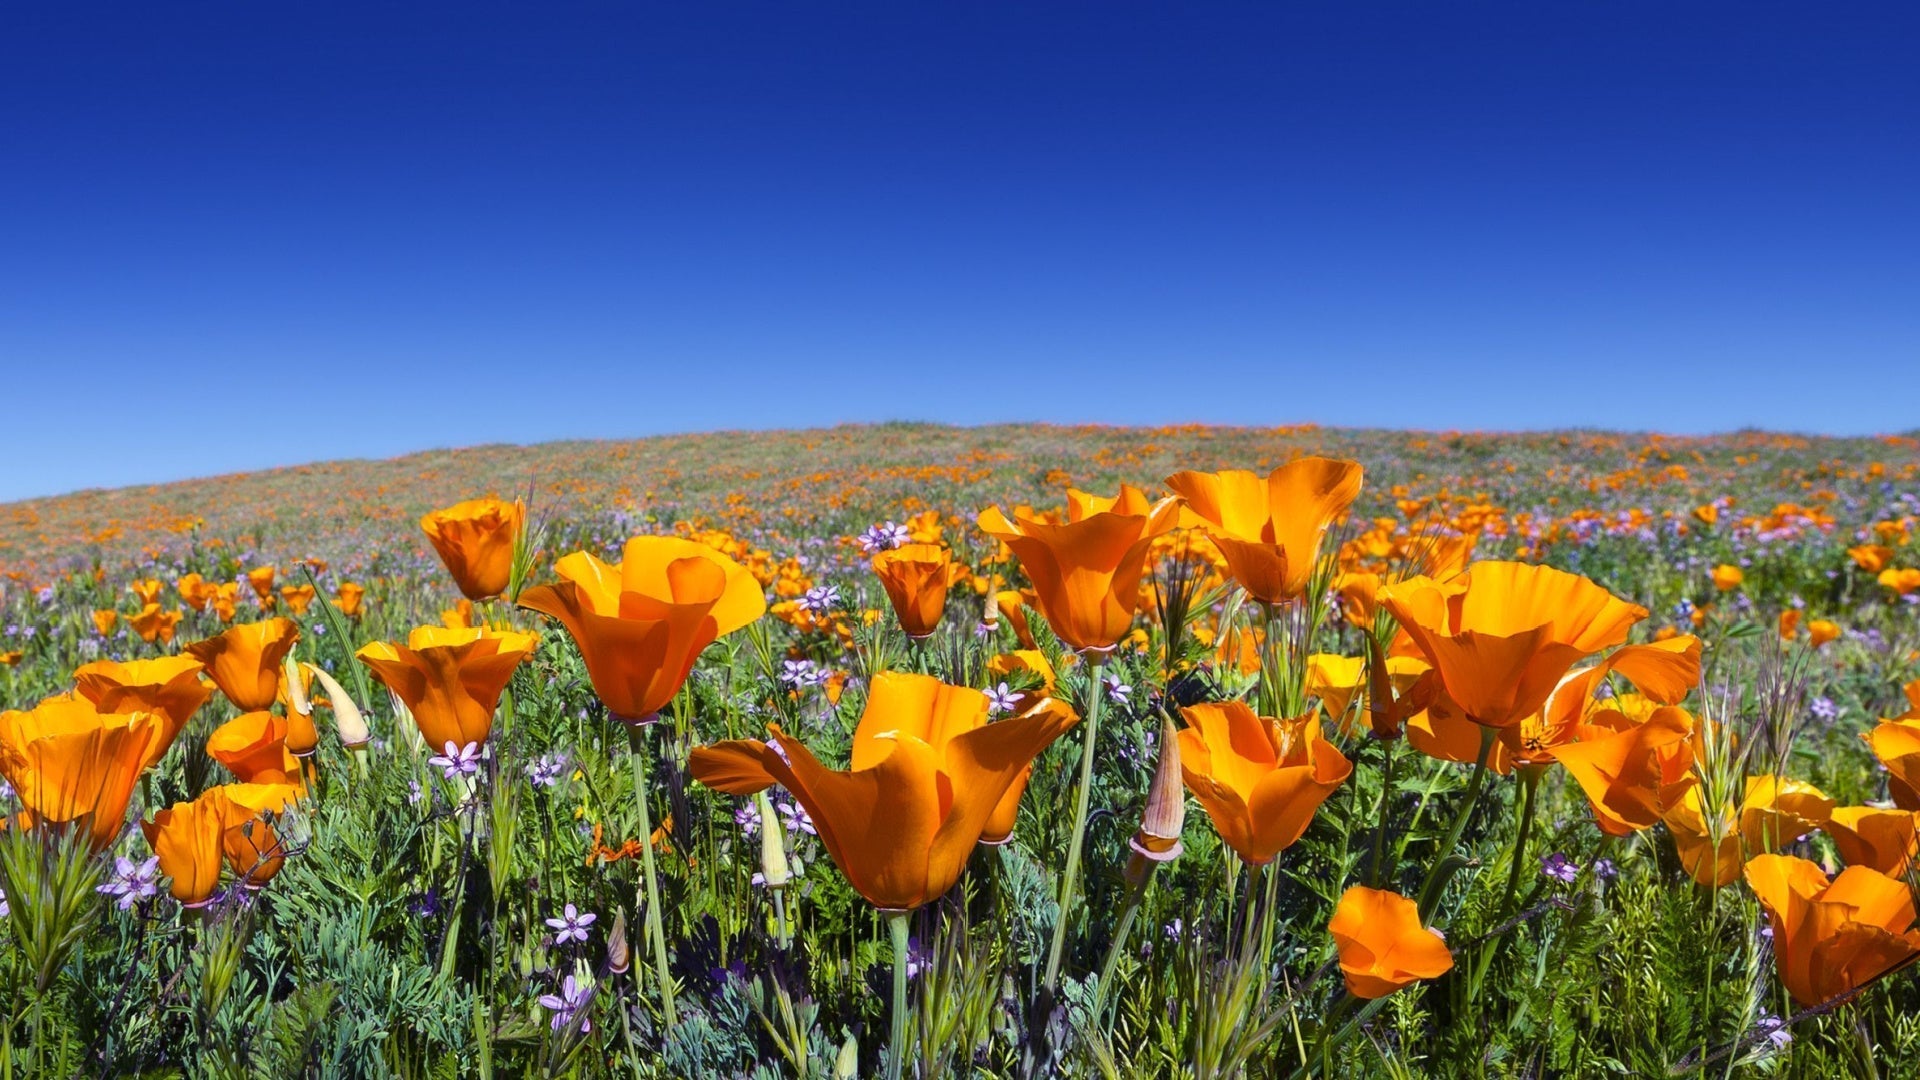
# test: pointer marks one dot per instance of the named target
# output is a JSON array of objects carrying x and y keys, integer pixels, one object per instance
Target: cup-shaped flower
[
  {"x": 196, "y": 591},
  {"x": 450, "y": 680},
  {"x": 1502, "y": 634},
  {"x": 244, "y": 660},
  {"x": 476, "y": 539},
  {"x": 190, "y": 839},
  {"x": 1708, "y": 845},
  {"x": 917, "y": 577},
  {"x": 1381, "y": 943},
  {"x": 1896, "y": 742},
  {"x": 1633, "y": 774},
  {"x": 927, "y": 775},
  {"x": 1777, "y": 811},
  {"x": 1831, "y": 937},
  {"x": 1260, "y": 780},
  {"x": 1269, "y": 528},
  {"x": 642, "y": 622},
  {"x": 1006, "y": 813},
  {"x": 1086, "y": 573},
  {"x": 253, "y": 850},
  {"x": 169, "y": 687},
  {"x": 1869, "y": 836},
  {"x": 349, "y": 599},
  {"x": 253, "y": 747},
  {"x": 153, "y": 624},
  {"x": 68, "y": 761},
  {"x": 261, "y": 579}
]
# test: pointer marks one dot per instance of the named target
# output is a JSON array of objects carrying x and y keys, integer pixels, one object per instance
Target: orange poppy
[
  {"x": 298, "y": 597},
  {"x": 153, "y": 624},
  {"x": 1872, "y": 558},
  {"x": 169, "y": 686},
  {"x": 917, "y": 577},
  {"x": 1382, "y": 945},
  {"x": 1896, "y": 742},
  {"x": 1632, "y": 774},
  {"x": 1086, "y": 573},
  {"x": 148, "y": 591},
  {"x": 196, "y": 591},
  {"x": 451, "y": 680},
  {"x": 476, "y": 541},
  {"x": 927, "y": 775},
  {"x": 104, "y": 619},
  {"x": 1012, "y": 605},
  {"x": 1260, "y": 780},
  {"x": 349, "y": 598},
  {"x": 1868, "y": 836},
  {"x": 67, "y": 761},
  {"x": 261, "y": 579},
  {"x": 244, "y": 661},
  {"x": 1821, "y": 631},
  {"x": 1270, "y": 528},
  {"x": 189, "y": 838},
  {"x": 1727, "y": 577},
  {"x": 1832, "y": 937},
  {"x": 641, "y": 623},
  {"x": 253, "y": 747}
]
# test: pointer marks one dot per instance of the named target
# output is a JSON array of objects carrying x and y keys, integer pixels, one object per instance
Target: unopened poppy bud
[
  {"x": 1158, "y": 839},
  {"x": 346, "y": 715},
  {"x": 846, "y": 1065},
  {"x": 296, "y": 687},
  {"x": 617, "y": 957},
  {"x": 773, "y": 846}
]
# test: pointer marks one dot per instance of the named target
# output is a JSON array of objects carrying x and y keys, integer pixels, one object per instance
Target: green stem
[
  {"x": 1530, "y": 786},
  {"x": 897, "y": 922},
  {"x": 1374, "y": 872},
  {"x": 1071, "y": 881},
  {"x": 1443, "y": 855},
  {"x": 654, "y": 930},
  {"x": 1102, "y": 990}
]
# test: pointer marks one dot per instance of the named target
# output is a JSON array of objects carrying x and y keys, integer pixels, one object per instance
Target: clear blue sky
[{"x": 247, "y": 234}]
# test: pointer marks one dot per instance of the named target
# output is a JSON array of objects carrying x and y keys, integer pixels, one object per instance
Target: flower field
[{"x": 915, "y": 751}]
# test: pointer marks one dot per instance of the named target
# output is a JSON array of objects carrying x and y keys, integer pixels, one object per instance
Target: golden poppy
[
  {"x": 1269, "y": 528},
  {"x": 10, "y": 657},
  {"x": 253, "y": 850},
  {"x": 168, "y": 686},
  {"x": 226, "y": 600},
  {"x": 1821, "y": 631},
  {"x": 152, "y": 623},
  {"x": 261, "y": 579},
  {"x": 1086, "y": 573},
  {"x": 927, "y": 776},
  {"x": 298, "y": 597},
  {"x": 1501, "y": 635},
  {"x": 1868, "y": 836},
  {"x": 349, "y": 598},
  {"x": 1382, "y": 945},
  {"x": 244, "y": 661},
  {"x": 917, "y": 577},
  {"x": 67, "y": 761},
  {"x": 1664, "y": 672},
  {"x": 1260, "y": 780},
  {"x": 1632, "y": 774},
  {"x": 1777, "y": 811},
  {"x": 1872, "y": 558},
  {"x": 103, "y": 620},
  {"x": 1727, "y": 577},
  {"x": 1006, "y": 813},
  {"x": 189, "y": 838},
  {"x": 459, "y": 616},
  {"x": 1709, "y": 851},
  {"x": 253, "y": 747},
  {"x": 476, "y": 541},
  {"x": 195, "y": 591},
  {"x": 1832, "y": 937},
  {"x": 1789, "y": 624},
  {"x": 1901, "y": 581},
  {"x": 1012, "y": 605},
  {"x": 1336, "y": 681},
  {"x": 148, "y": 591},
  {"x": 451, "y": 680},
  {"x": 642, "y": 622}
]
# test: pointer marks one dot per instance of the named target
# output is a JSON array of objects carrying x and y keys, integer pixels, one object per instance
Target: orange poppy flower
[
  {"x": 1664, "y": 672},
  {"x": 451, "y": 680},
  {"x": 244, "y": 661},
  {"x": 1501, "y": 635},
  {"x": 1831, "y": 937},
  {"x": 1006, "y": 813},
  {"x": 169, "y": 686},
  {"x": 11, "y": 657},
  {"x": 67, "y": 761},
  {"x": 475, "y": 540},
  {"x": 1821, "y": 631},
  {"x": 1632, "y": 774},
  {"x": 1381, "y": 943},
  {"x": 1789, "y": 624},
  {"x": 253, "y": 747},
  {"x": 104, "y": 619},
  {"x": 1260, "y": 780},
  {"x": 152, "y": 623},
  {"x": 1872, "y": 558},
  {"x": 189, "y": 838},
  {"x": 927, "y": 776},
  {"x": 1012, "y": 605},
  {"x": 1901, "y": 581},
  {"x": 1269, "y": 528},
  {"x": 253, "y": 850},
  {"x": 642, "y": 622},
  {"x": 298, "y": 597},
  {"x": 196, "y": 591},
  {"x": 1868, "y": 836},
  {"x": 261, "y": 579},
  {"x": 1777, "y": 811},
  {"x": 1727, "y": 577},
  {"x": 1086, "y": 573},
  {"x": 148, "y": 591},
  {"x": 349, "y": 598},
  {"x": 1709, "y": 851},
  {"x": 1336, "y": 681},
  {"x": 226, "y": 600},
  {"x": 917, "y": 577}
]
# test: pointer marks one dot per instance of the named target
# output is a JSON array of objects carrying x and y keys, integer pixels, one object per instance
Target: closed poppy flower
[
  {"x": 104, "y": 620},
  {"x": 1632, "y": 774},
  {"x": 1872, "y": 558},
  {"x": 1869, "y": 836},
  {"x": 1086, "y": 573},
  {"x": 148, "y": 591},
  {"x": 253, "y": 747},
  {"x": 476, "y": 541},
  {"x": 253, "y": 850},
  {"x": 349, "y": 598},
  {"x": 190, "y": 840},
  {"x": 195, "y": 591},
  {"x": 1832, "y": 937},
  {"x": 917, "y": 577},
  {"x": 1269, "y": 528},
  {"x": 68, "y": 761},
  {"x": 1821, "y": 631},
  {"x": 152, "y": 624},
  {"x": 927, "y": 776},
  {"x": 298, "y": 597},
  {"x": 226, "y": 600},
  {"x": 1382, "y": 945},
  {"x": 1778, "y": 811},
  {"x": 261, "y": 580},
  {"x": 1708, "y": 845},
  {"x": 1727, "y": 577},
  {"x": 1260, "y": 780},
  {"x": 642, "y": 622},
  {"x": 244, "y": 661},
  {"x": 168, "y": 686},
  {"x": 451, "y": 680},
  {"x": 1789, "y": 624},
  {"x": 1501, "y": 635},
  {"x": 1012, "y": 605}
]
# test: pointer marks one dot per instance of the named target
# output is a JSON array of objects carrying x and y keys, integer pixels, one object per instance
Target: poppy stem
[
  {"x": 1530, "y": 785},
  {"x": 1376, "y": 869},
  {"x": 637, "y": 744},
  {"x": 1443, "y": 855},
  {"x": 1103, "y": 990},
  {"x": 1071, "y": 881},
  {"x": 897, "y": 923}
]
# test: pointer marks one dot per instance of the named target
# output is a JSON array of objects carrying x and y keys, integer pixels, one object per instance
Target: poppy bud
[
  {"x": 617, "y": 959},
  {"x": 346, "y": 715},
  {"x": 296, "y": 687},
  {"x": 773, "y": 847},
  {"x": 1158, "y": 839},
  {"x": 846, "y": 1064}
]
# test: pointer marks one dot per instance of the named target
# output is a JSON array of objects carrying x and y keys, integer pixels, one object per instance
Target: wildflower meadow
[{"x": 1019, "y": 751}]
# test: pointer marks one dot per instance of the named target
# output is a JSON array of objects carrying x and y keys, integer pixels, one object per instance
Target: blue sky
[{"x": 240, "y": 235}]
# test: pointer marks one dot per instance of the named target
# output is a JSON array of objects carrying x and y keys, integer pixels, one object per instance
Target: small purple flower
[
  {"x": 800, "y": 674},
  {"x": 1117, "y": 692},
  {"x": 1823, "y": 708},
  {"x": 820, "y": 599},
  {"x": 4, "y": 909},
  {"x": 1774, "y": 1028},
  {"x": 1001, "y": 699},
  {"x": 1560, "y": 868},
  {"x": 1174, "y": 930},
  {"x": 1605, "y": 870},
  {"x": 132, "y": 882},
  {"x": 457, "y": 760},
  {"x": 570, "y": 1002},
  {"x": 884, "y": 537},
  {"x": 571, "y": 925},
  {"x": 414, "y": 793},
  {"x": 748, "y": 818},
  {"x": 919, "y": 957},
  {"x": 546, "y": 770},
  {"x": 795, "y": 819}
]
